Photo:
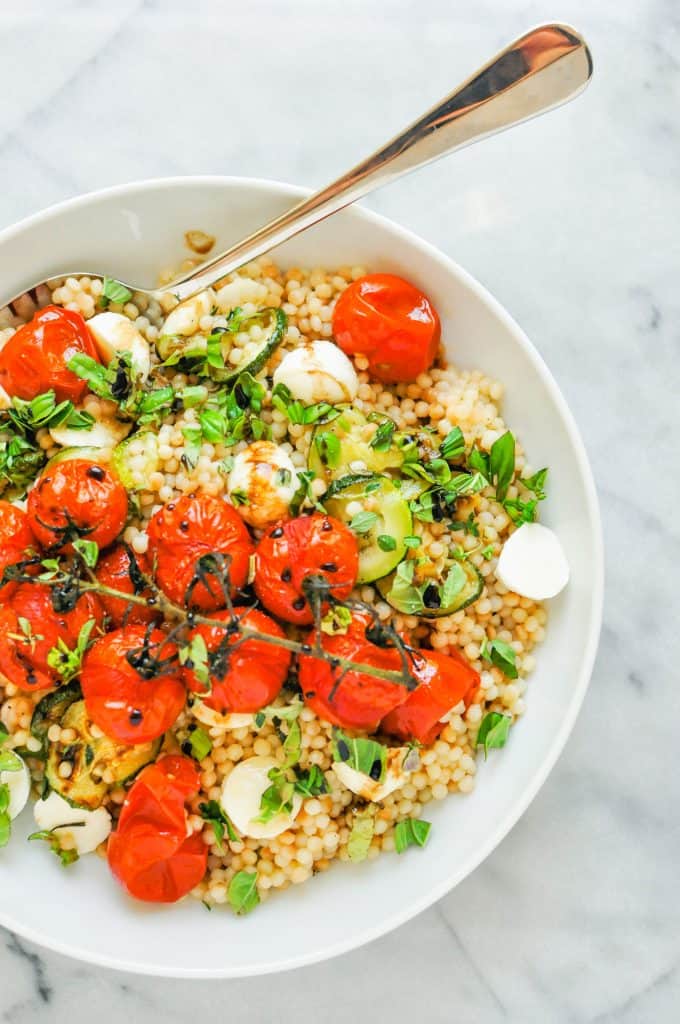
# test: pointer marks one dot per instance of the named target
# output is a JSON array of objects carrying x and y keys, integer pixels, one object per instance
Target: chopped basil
[
  {"x": 386, "y": 543},
  {"x": 404, "y": 592},
  {"x": 66, "y": 662},
  {"x": 479, "y": 462},
  {"x": 487, "y": 552},
  {"x": 337, "y": 620},
  {"x": 242, "y": 893},
  {"x": 239, "y": 498},
  {"x": 366, "y": 756},
  {"x": 88, "y": 550},
  {"x": 194, "y": 656},
  {"x": 287, "y": 713},
  {"x": 328, "y": 447},
  {"x": 299, "y": 413},
  {"x": 363, "y": 522},
  {"x": 411, "y": 832},
  {"x": 494, "y": 730},
  {"x": 20, "y": 463},
  {"x": 412, "y": 541},
  {"x": 536, "y": 483},
  {"x": 277, "y": 798},
  {"x": 382, "y": 439},
  {"x": 502, "y": 463},
  {"x": 312, "y": 782},
  {"x": 501, "y": 655},
  {"x": 44, "y": 411},
  {"x": 198, "y": 745},
  {"x": 453, "y": 584},
  {"x": 452, "y": 447},
  {"x": 114, "y": 291},
  {"x": 49, "y": 836},
  {"x": 220, "y": 822},
  {"x": 359, "y": 842},
  {"x": 521, "y": 511},
  {"x": 292, "y": 745}
]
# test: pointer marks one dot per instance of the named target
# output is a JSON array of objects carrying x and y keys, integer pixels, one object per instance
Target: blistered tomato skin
[
  {"x": 77, "y": 498},
  {"x": 35, "y": 358},
  {"x": 189, "y": 530},
  {"x": 151, "y": 853},
  {"x": 119, "y": 571},
  {"x": 30, "y": 628},
  {"x": 360, "y": 701},
  {"x": 16, "y": 539},
  {"x": 253, "y": 675},
  {"x": 391, "y": 323},
  {"x": 133, "y": 698},
  {"x": 444, "y": 680},
  {"x": 315, "y": 545}
]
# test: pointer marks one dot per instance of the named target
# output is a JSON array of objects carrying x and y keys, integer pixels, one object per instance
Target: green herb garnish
[
  {"x": 88, "y": 550},
  {"x": 198, "y": 745},
  {"x": 382, "y": 439},
  {"x": 366, "y": 756},
  {"x": 242, "y": 893},
  {"x": 452, "y": 447},
  {"x": 363, "y": 522},
  {"x": 411, "y": 832},
  {"x": 494, "y": 730},
  {"x": 386, "y": 542},
  {"x": 501, "y": 655},
  {"x": 66, "y": 662},
  {"x": 114, "y": 291},
  {"x": 212, "y": 812}
]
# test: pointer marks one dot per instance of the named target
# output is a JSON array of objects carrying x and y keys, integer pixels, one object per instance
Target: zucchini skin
[
  {"x": 224, "y": 375},
  {"x": 52, "y": 708},
  {"x": 467, "y": 596}
]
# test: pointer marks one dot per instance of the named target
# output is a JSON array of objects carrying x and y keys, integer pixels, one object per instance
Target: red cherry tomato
[
  {"x": 391, "y": 323},
  {"x": 77, "y": 498},
  {"x": 16, "y": 537},
  {"x": 30, "y": 628},
  {"x": 34, "y": 360},
  {"x": 252, "y": 676},
  {"x": 360, "y": 701},
  {"x": 150, "y": 853},
  {"x": 187, "y": 530},
  {"x": 315, "y": 545},
  {"x": 118, "y": 570},
  {"x": 444, "y": 680},
  {"x": 133, "y": 703}
]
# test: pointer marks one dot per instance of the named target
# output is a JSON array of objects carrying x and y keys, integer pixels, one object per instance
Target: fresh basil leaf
[
  {"x": 220, "y": 822},
  {"x": 361, "y": 835},
  {"x": 311, "y": 783},
  {"x": 198, "y": 745},
  {"x": 382, "y": 439},
  {"x": 501, "y": 655},
  {"x": 479, "y": 462},
  {"x": 493, "y": 732},
  {"x": 67, "y": 662},
  {"x": 366, "y": 756},
  {"x": 412, "y": 541},
  {"x": 536, "y": 483},
  {"x": 386, "y": 543},
  {"x": 93, "y": 372},
  {"x": 49, "y": 836},
  {"x": 114, "y": 291},
  {"x": 242, "y": 893},
  {"x": 286, "y": 713},
  {"x": 452, "y": 447},
  {"x": 328, "y": 447},
  {"x": 453, "y": 584},
  {"x": 277, "y": 798},
  {"x": 292, "y": 745},
  {"x": 411, "y": 832},
  {"x": 502, "y": 463},
  {"x": 521, "y": 511},
  {"x": 404, "y": 592},
  {"x": 363, "y": 522}
]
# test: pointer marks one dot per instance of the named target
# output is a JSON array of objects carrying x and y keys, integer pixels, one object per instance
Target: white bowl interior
[{"x": 133, "y": 231}]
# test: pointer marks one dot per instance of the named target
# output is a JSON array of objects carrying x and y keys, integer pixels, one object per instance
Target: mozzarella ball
[
  {"x": 262, "y": 483},
  {"x": 533, "y": 563},
  {"x": 185, "y": 318},
  {"x": 113, "y": 333},
  {"x": 91, "y": 827},
  {"x": 363, "y": 785},
  {"x": 318, "y": 372},
  {"x": 241, "y": 795}
]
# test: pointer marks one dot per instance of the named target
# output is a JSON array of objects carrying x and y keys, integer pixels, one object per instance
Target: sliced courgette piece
[
  {"x": 88, "y": 452},
  {"x": 344, "y": 446},
  {"x": 389, "y": 516},
  {"x": 51, "y": 709},
  {"x": 432, "y": 598},
  {"x": 89, "y": 757},
  {"x": 135, "y": 459}
]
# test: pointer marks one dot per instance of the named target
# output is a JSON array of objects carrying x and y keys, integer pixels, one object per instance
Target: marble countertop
[{"x": 572, "y": 222}]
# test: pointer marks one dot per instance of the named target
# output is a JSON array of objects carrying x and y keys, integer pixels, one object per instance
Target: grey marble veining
[{"x": 572, "y": 221}]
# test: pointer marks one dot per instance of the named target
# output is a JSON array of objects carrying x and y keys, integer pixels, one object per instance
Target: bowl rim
[{"x": 517, "y": 808}]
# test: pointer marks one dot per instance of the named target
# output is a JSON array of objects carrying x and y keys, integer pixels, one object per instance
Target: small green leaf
[
  {"x": 452, "y": 447},
  {"x": 501, "y": 655},
  {"x": 453, "y": 584},
  {"x": 220, "y": 822},
  {"x": 359, "y": 842},
  {"x": 200, "y": 744},
  {"x": 363, "y": 522},
  {"x": 328, "y": 447},
  {"x": 49, "y": 836},
  {"x": 521, "y": 511},
  {"x": 114, "y": 291},
  {"x": 502, "y": 463},
  {"x": 88, "y": 549},
  {"x": 404, "y": 592},
  {"x": 366, "y": 756},
  {"x": 411, "y": 541},
  {"x": 536, "y": 483},
  {"x": 382, "y": 439},
  {"x": 312, "y": 782},
  {"x": 386, "y": 543},
  {"x": 478, "y": 461},
  {"x": 292, "y": 745},
  {"x": 242, "y": 893},
  {"x": 286, "y": 713},
  {"x": 411, "y": 832},
  {"x": 494, "y": 730},
  {"x": 336, "y": 621}
]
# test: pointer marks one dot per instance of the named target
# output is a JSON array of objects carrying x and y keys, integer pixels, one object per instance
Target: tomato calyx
[{"x": 145, "y": 660}]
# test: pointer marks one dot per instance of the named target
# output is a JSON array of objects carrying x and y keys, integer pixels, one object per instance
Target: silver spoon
[{"x": 541, "y": 70}]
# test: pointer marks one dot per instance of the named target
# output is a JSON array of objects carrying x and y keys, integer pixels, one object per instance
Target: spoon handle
[{"x": 541, "y": 70}]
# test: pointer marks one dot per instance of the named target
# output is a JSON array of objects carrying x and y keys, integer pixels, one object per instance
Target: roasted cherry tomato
[
  {"x": 181, "y": 537},
  {"x": 443, "y": 681},
  {"x": 150, "y": 853},
  {"x": 16, "y": 537},
  {"x": 360, "y": 701},
  {"x": 132, "y": 684},
  {"x": 30, "y": 628},
  {"x": 121, "y": 570},
  {"x": 249, "y": 678},
  {"x": 77, "y": 498},
  {"x": 315, "y": 545},
  {"x": 34, "y": 360},
  {"x": 391, "y": 323}
]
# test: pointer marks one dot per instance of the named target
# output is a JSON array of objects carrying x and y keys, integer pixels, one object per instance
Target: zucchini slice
[
  {"x": 89, "y": 758},
  {"x": 348, "y": 450},
  {"x": 390, "y": 517},
  {"x": 430, "y": 598},
  {"x": 216, "y": 351},
  {"x": 89, "y": 452},
  {"x": 135, "y": 459},
  {"x": 52, "y": 708}
]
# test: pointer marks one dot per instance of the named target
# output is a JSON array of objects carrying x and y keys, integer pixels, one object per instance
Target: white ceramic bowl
[{"x": 131, "y": 232}]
